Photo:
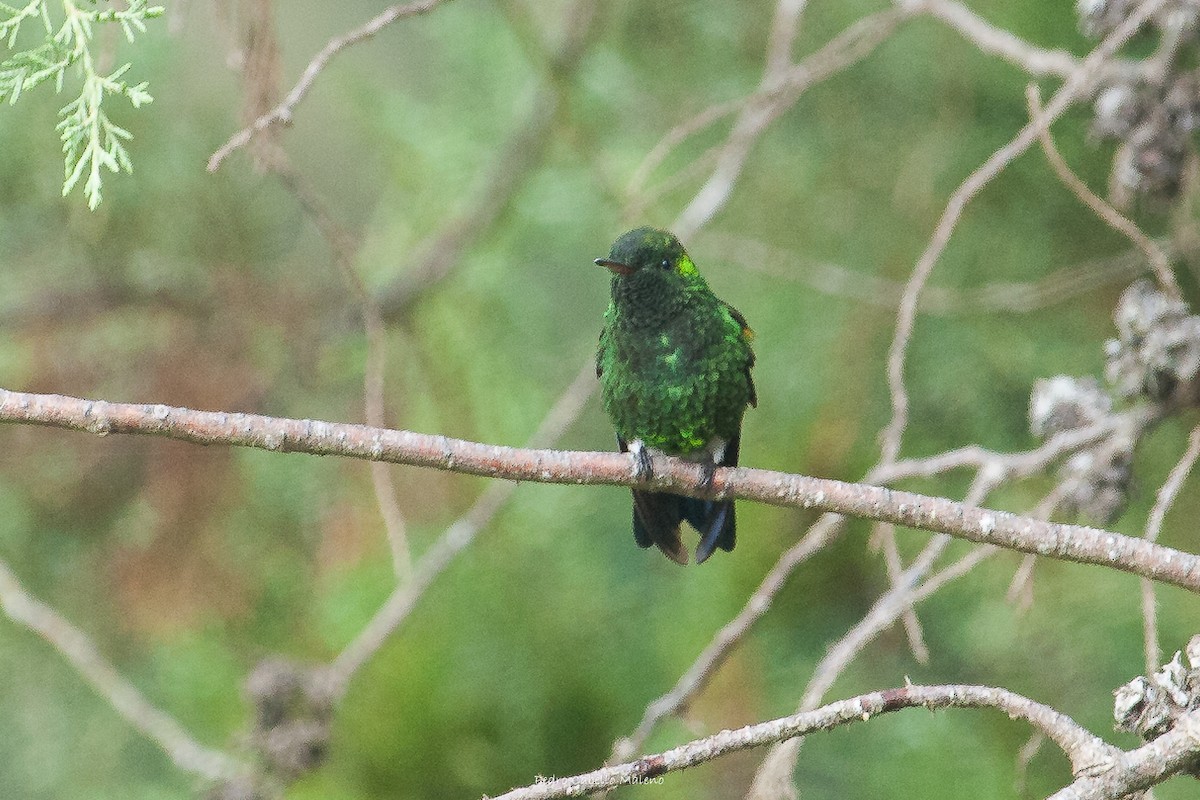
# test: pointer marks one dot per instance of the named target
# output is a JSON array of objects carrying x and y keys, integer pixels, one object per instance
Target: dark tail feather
[
  {"x": 715, "y": 519},
  {"x": 656, "y": 518},
  {"x": 717, "y": 524}
]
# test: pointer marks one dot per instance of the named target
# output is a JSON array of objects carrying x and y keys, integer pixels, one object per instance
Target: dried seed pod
[
  {"x": 295, "y": 748},
  {"x": 1150, "y": 706},
  {"x": 1193, "y": 652},
  {"x": 1063, "y": 403},
  {"x": 242, "y": 788},
  {"x": 1157, "y": 352},
  {"x": 1181, "y": 103},
  {"x": 1118, "y": 109},
  {"x": 293, "y": 708},
  {"x": 1098, "y": 17},
  {"x": 1096, "y": 482},
  {"x": 1150, "y": 164}
]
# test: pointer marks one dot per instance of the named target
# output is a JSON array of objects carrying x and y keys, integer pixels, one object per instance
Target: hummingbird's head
[{"x": 649, "y": 255}]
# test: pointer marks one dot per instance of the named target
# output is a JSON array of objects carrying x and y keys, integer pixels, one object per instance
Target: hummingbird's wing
[
  {"x": 656, "y": 519},
  {"x": 747, "y": 338},
  {"x": 600, "y": 352}
]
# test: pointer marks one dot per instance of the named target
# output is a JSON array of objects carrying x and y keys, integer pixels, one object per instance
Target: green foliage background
[{"x": 546, "y": 639}]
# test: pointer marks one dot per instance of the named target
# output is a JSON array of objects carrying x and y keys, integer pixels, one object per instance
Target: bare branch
[
  {"x": 898, "y": 599},
  {"x": 75, "y": 646},
  {"x": 675, "y": 137},
  {"x": 1025, "y": 756},
  {"x": 283, "y": 112},
  {"x": 1139, "y": 769},
  {"x": 1080, "y": 746},
  {"x": 858, "y": 41},
  {"x": 435, "y": 256},
  {"x": 1056, "y": 540},
  {"x": 1020, "y": 588},
  {"x": 1114, "y": 219},
  {"x": 903, "y": 594},
  {"x": 773, "y": 778},
  {"x": 890, "y": 606},
  {"x": 1073, "y": 87},
  {"x": 1153, "y": 650}
]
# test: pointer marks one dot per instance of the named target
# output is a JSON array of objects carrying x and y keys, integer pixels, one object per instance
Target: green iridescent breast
[{"x": 681, "y": 385}]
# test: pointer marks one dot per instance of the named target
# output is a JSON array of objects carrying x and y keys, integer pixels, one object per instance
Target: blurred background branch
[{"x": 75, "y": 646}]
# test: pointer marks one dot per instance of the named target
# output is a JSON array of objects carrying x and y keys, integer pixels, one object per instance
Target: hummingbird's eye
[{"x": 666, "y": 263}]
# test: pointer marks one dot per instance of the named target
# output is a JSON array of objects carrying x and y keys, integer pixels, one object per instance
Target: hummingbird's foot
[
  {"x": 708, "y": 471},
  {"x": 643, "y": 467}
]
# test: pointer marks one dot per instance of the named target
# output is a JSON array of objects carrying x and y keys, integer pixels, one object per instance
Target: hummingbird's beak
[{"x": 616, "y": 266}]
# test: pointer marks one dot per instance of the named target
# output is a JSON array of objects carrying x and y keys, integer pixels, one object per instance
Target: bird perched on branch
[{"x": 674, "y": 368}]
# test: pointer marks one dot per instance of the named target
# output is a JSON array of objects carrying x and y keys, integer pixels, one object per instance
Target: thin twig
[
  {"x": 987, "y": 38},
  {"x": 1170, "y": 488},
  {"x": 284, "y": 112},
  {"x": 1020, "y": 588},
  {"x": 75, "y": 646},
  {"x": 785, "y": 27},
  {"x": 437, "y": 254},
  {"x": 823, "y": 531},
  {"x": 889, "y": 607},
  {"x": 675, "y": 137},
  {"x": 1162, "y": 504},
  {"x": 344, "y": 249},
  {"x": 456, "y": 538},
  {"x": 778, "y": 92},
  {"x": 1081, "y": 746},
  {"x": 886, "y": 535},
  {"x": 993, "y": 41},
  {"x": 1019, "y": 464},
  {"x": 991, "y": 469},
  {"x": 1025, "y": 756},
  {"x": 1114, "y": 219},
  {"x": 838, "y": 280},
  {"x": 773, "y": 777},
  {"x": 1073, "y": 87}
]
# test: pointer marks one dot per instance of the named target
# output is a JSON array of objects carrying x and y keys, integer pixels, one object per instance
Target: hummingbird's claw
[
  {"x": 708, "y": 471},
  {"x": 643, "y": 467}
]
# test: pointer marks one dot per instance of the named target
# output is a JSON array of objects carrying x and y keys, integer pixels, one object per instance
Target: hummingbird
[{"x": 674, "y": 367}]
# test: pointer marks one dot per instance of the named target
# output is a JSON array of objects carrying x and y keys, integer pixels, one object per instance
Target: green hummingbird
[{"x": 674, "y": 367}]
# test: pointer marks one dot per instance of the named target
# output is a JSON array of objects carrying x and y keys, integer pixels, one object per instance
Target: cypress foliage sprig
[{"x": 91, "y": 141}]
